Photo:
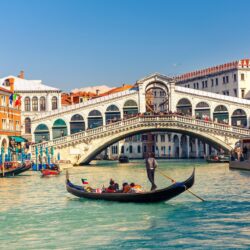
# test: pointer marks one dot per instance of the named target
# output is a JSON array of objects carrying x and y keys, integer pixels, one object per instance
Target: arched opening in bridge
[
  {"x": 27, "y": 125},
  {"x": 59, "y": 129},
  {"x": 76, "y": 124},
  {"x": 41, "y": 133},
  {"x": 184, "y": 107},
  {"x": 157, "y": 98},
  {"x": 202, "y": 110},
  {"x": 95, "y": 119},
  {"x": 112, "y": 114},
  {"x": 239, "y": 118},
  {"x": 130, "y": 108},
  {"x": 220, "y": 114}
]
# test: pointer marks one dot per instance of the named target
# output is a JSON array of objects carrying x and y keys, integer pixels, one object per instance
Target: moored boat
[
  {"x": 14, "y": 168},
  {"x": 123, "y": 159},
  {"x": 218, "y": 158},
  {"x": 152, "y": 196},
  {"x": 51, "y": 171},
  {"x": 240, "y": 165}
]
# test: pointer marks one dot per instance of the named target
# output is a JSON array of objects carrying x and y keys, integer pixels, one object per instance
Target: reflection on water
[{"x": 38, "y": 213}]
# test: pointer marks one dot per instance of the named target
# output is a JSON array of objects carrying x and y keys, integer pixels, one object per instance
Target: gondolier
[{"x": 151, "y": 165}]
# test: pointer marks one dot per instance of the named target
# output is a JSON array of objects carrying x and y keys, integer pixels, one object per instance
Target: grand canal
[{"x": 38, "y": 213}]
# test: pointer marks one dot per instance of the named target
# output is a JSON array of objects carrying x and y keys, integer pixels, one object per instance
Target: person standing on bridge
[{"x": 151, "y": 165}]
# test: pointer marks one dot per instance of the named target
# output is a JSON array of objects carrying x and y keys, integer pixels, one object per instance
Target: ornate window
[
  {"x": 27, "y": 125},
  {"x": 34, "y": 103},
  {"x": 27, "y": 104},
  {"x": 54, "y": 103},
  {"x": 42, "y": 103}
]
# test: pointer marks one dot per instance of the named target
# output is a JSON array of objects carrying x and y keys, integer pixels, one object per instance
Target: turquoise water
[{"x": 38, "y": 213}]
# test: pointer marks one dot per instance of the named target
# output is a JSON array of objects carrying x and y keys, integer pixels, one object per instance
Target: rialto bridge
[{"x": 81, "y": 131}]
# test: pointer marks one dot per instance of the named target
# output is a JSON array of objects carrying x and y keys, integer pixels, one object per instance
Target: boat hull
[
  {"x": 240, "y": 165},
  {"x": 145, "y": 197},
  {"x": 16, "y": 171}
]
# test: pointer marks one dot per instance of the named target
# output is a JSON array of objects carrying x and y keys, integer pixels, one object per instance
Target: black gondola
[
  {"x": 123, "y": 159},
  {"x": 152, "y": 196}
]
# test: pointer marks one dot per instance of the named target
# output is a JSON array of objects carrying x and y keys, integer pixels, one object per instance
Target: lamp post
[{"x": 37, "y": 168}]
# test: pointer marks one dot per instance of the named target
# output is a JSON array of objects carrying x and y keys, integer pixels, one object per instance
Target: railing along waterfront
[{"x": 171, "y": 118}]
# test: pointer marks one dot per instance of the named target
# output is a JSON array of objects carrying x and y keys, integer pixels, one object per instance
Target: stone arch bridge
[{"x": 82, "y": 147}]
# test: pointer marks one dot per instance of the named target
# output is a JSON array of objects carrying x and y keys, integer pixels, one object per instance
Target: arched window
[
  {"x": 202, "y": 110},
  {"x": 59, "y": 128},
  {"x": 122, "y": 149},
  {"x": 95, "y": 119},
  {"x": 42, "y": 103},
  {"x": 130, "y": 107},
  {"x": 34, "y": 103},
  {"x": 112, "y": 114},
  {"x": 27, "y": 103},
  {"x": 239, "y": 118},
  {"x": 221, "y": 114},
  {"x": 27, "y": 124},
  {"x": 77, "y": 124},
  {"x": 41, "y": 133},
  {"x": 54, "y": 103},
  {"x": 184, "y": 106},
  {"x": 138, "y": 149}
]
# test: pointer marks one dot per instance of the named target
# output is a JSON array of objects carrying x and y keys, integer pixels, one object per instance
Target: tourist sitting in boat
[
  {"x": 126, "y": 187},
  {"x": 134, "y": 188},
  {"x": 113, "y": 187}
]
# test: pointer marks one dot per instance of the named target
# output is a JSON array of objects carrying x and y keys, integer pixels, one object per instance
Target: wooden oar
[{"x": 175, "y": 181}]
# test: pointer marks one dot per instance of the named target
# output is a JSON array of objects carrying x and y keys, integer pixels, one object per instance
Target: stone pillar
[
  {"x": 196, "y": 148},
  {"x": 188, "y": 146},
  {"x": 180, "y": 148},
  {"x": 141, "y": 99},
  {"x": 206, "y": 150}
]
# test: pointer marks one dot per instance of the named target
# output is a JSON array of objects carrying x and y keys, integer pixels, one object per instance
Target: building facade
[
  {"x": 10, "y": 117},
  {"x": 232, "y": 79},
  {"x": 36, "y": 99}
]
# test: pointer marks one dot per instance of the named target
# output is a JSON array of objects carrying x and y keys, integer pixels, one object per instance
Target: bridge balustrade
[{"x": 142, "y": 119}]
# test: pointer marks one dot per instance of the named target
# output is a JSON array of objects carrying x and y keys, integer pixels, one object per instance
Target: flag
[
  {"x": 84, "y": 181},
  {"x": 11, "y": 99},
  {"x": 18, "y": 101},
  {"x": 14, "y": 96}
]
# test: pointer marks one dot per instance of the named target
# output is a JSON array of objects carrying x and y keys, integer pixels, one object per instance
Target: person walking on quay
[{"x": 151, "y": 165}]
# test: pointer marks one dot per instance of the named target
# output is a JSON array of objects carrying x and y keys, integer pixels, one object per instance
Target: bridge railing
[{"x": 141, "y": 119}]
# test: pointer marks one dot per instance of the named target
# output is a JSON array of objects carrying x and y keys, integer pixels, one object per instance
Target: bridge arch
[
  {"x": 77, "y": 124},
  {"x": 104, "y": 142},
  {"x": 41, "y": 133},
  {"x": 157, "y": 97},
  {"x": 112, "y": 114},
  {"x": 221, "y": 114},
  {"x": 184, "y": 106},
  {"x": 202, "y": 110},
  {"x": 95, "y": 119},
  {"x": 239, "y": 118},
  {"x": 130, "y": 107},
  {"x": 59, "y": 128}
]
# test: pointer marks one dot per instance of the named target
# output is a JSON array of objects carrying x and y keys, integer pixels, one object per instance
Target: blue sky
[{"x": 78, "y": 43}]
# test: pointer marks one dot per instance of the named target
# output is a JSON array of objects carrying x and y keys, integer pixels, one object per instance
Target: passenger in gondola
[
  {"x": 126, "y": 187},
  {"x": 113, "y": 187}
]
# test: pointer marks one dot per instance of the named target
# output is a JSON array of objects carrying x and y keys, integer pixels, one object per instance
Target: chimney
[
  {"x": 97, "y": 92},
  {"x": 21, "y": 74},
  {"x": 11, "y": 81}
]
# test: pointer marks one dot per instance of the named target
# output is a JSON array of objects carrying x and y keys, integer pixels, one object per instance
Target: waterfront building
[
  {"x": 231, "y": 79},
  {"x": 10, "y": 115},
  {"x": 36, "y": 99}
]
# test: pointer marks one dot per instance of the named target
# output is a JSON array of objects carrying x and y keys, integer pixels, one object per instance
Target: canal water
[{"x": 38, "y": 213}]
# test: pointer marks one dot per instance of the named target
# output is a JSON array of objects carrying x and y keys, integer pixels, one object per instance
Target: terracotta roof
[{"x": 118, "y": 89}]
